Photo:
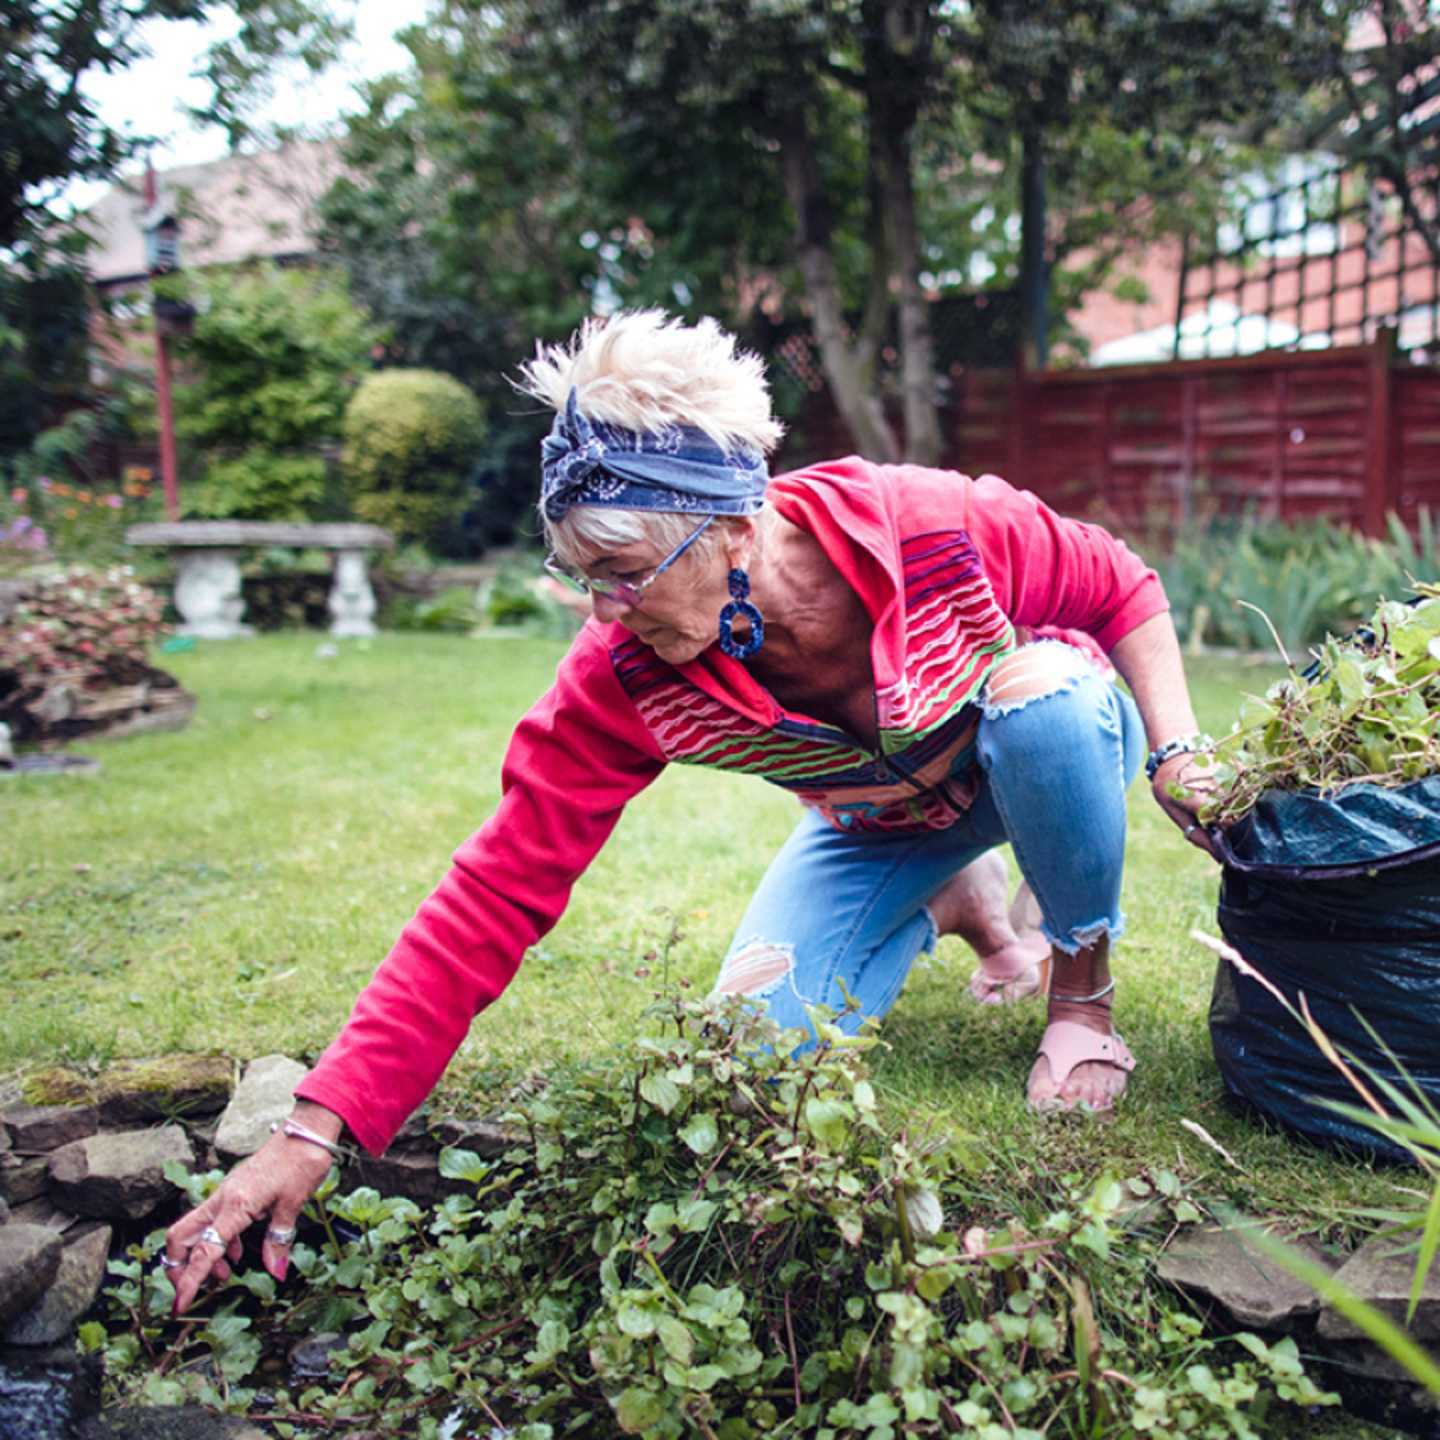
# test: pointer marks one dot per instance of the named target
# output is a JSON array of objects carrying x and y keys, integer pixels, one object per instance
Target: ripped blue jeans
[{"x": 838, "y": 906}]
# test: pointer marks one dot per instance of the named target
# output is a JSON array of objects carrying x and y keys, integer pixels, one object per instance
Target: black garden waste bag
[{"x": 1338, "y": 898}]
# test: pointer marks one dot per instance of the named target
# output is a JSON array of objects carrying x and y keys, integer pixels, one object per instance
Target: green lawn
[{"x": 234, "y": 884}]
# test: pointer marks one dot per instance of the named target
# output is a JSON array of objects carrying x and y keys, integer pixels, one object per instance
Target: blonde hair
[{"x": 646, "y": 370}]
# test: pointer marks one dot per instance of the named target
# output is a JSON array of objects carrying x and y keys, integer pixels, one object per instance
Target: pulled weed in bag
[{"x": 1367, "y": 711}]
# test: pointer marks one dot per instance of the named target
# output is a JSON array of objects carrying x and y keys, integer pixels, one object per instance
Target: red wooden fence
[{"x": 1349, "y": 433}]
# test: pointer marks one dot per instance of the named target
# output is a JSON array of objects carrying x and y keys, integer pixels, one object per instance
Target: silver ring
[
  {"x": 166, "y": 1263},
  {"x": 1191, "y": 828},
  {"x": 211, "y": 1236},
  {"x": 280, "y": 1237}
]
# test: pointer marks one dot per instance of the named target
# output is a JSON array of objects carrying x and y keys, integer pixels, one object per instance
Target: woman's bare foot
[
  {"x": 1082, "y": 1061},
  {"x": 974, "y": 904}
]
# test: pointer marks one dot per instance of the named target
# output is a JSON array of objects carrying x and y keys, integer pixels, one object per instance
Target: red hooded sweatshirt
[{"x": 947, "y": 568}]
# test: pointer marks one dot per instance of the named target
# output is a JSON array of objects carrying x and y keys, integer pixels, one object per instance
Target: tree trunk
[
  {"x": 1034, "y": 268},
  {"x": 852, "y": 382},
  {"x": 917, "y": 351},
  {"x": 897, "y": 55}
]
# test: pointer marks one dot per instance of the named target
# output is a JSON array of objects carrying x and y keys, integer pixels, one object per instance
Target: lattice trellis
[{"x": 1324, "y": 257}]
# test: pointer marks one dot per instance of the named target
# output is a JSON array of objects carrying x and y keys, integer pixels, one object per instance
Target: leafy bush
[
  {"x": 95, "y": 626},
  {"x": 712, "y": 1236},
  {"x": 519, "y": 598},
  {"x": 411, "y": 443},
  {"x": 272, "y": 359},
  {"x": 452, "y": 611},
  {"x": 1309, "y": 579}
]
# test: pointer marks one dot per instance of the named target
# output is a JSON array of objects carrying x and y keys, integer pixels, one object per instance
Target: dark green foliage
[
  {"x": 714, "y": 1236},
  {"x": 1244, "y": 582},
  {"x": 45, "y": 315},
  {"x": 412, "y": 442},
  {"x": 53, "y": 130},
  {"x": 268, "y": 369}
]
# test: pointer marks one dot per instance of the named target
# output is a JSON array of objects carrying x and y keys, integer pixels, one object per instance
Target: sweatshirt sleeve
[
  {"x": 572, "y": 764},
  {"x": 1050, "y": 571}
]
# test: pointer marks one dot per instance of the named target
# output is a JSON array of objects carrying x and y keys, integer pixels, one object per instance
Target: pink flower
[
  {"x": 43, "y": 482},
  {"x": 115, "y": 502},
  {"x": 19, "y": 495}
]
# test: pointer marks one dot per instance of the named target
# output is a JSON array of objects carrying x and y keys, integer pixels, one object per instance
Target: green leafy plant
[
  {"x": 453, "y": 611},
  {"x": 1307, "y": 578},
  {"x": 711, "y": 1235},
  {"x": 1369, "y": 712},
  {"x": 411, "y": 446},
  {"x": 520, "y": 598},
  {"x": 272, "y": 359}
]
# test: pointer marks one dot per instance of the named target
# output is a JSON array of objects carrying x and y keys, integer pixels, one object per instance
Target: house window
[{"x": 1289, "y": 210}]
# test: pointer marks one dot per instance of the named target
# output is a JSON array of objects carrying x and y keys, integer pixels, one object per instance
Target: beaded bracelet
[
  {"x": 1180, "y": 745},
  {"x": 294, "y": 1130}
]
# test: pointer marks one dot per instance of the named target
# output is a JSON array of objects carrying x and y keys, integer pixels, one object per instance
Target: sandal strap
[{"x": 1067, "y": 1043}]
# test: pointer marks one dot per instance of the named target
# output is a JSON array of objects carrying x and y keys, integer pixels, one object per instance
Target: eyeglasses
[{"x": 628, "y": 593}]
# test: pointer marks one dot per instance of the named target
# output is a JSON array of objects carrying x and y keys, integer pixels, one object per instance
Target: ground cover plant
[
  {"x": 233, "y": 885},
  {"x": 713, "y": 1235}
]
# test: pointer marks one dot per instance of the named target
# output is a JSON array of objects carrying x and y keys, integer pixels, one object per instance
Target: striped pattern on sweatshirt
[{"x": 924, "y": 773}]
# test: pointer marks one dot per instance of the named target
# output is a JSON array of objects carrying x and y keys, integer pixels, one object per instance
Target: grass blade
[{"x": 1429, "y": 1243}]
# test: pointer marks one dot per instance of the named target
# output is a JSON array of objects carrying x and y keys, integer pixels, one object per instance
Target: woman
[{"x": 848, "y": 632}]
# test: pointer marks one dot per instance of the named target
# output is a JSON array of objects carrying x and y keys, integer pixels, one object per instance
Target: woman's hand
[
  {"x": 273, "y": 1184},
  {"x": 1182, "y": 785}
]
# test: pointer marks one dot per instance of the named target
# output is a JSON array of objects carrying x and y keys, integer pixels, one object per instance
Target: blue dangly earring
[{"x": 741, "y": 605}]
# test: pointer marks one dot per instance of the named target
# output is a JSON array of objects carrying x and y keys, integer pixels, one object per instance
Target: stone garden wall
[{"x": 82, "y": 1175}]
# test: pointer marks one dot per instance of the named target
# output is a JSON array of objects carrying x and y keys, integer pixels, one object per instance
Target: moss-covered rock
[
  {"x": 57, "y": 1085},
  {"x": 165, "y": 1086}
]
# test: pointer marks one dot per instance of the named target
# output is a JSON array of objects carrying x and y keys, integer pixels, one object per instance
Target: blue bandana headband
[{"x": 678, "y": 469}]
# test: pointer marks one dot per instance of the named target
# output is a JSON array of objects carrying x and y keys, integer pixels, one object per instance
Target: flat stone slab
[
  {"x": 29, "y": 1262},
  {"x": 70, "y": 1294},
  {"x": 120, "y": 1174},
  {"x": 23, "y": 1177},
  {"x": 37, "y": 1128},
  {"x": 265, "y": 1094},
  {"x": 40, "y": 1211},
  {"x": 1225, "y": 1266},
  {"x": 221, "y": 534},
  {"x": 1382, "y": 1278}
]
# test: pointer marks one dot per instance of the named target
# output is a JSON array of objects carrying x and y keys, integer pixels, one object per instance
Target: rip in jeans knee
[
  {"x": 755, "y": 968},
  {"x": 1008, "y": 704},
  {"x": 1082, "y": 937}
]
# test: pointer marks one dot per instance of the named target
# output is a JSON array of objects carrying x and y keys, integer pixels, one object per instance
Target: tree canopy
[{"x": 850, "y": 160}]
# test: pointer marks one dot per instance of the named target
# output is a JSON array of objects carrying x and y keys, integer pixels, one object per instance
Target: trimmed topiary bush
[{"x": 411, "y": 444}]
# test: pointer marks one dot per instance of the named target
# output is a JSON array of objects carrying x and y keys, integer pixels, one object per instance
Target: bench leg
[
  {"x": 207, "y": 594},
  {"x": 352, "y": 601}
]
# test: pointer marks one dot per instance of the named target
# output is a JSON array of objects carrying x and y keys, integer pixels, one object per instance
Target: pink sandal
[
  {"x": 1014, "y": 972},
  {"x": 1067, "y": 1044}
]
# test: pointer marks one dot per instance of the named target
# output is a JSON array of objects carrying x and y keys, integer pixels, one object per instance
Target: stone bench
[{"x": 207, "y": 578}]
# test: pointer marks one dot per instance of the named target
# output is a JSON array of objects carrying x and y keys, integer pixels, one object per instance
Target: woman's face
[{"x": 678, "y": 616}]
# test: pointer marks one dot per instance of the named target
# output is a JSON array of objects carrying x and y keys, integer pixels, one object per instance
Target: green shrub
[
  {"x": 714, "y": 1236},
  {"x": 452, "y": 611},
  {"x": 266, "y": 374},
  {"x": 412, "y": 439}
]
